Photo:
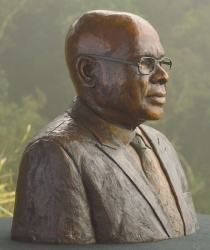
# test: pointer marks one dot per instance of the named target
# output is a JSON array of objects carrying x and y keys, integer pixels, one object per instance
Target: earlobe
[{"x": 85, "y": 70}]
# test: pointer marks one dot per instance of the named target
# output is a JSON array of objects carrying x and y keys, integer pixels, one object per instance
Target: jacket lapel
[
  {"x": 124, "y": 161},
  {"x": 168, "y": 159}
]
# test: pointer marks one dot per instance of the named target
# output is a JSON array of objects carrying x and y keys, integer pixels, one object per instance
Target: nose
[{"x": 160, "y": 76}]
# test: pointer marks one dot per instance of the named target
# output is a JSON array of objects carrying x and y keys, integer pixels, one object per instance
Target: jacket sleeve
[{"x": 51, "y": 204}]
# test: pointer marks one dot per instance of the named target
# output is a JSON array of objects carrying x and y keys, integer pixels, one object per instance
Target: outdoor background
[{"x": 35, "y": 86}]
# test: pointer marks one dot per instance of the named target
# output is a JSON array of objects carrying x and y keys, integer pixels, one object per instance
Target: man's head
[{"x": 98, "y": 45}]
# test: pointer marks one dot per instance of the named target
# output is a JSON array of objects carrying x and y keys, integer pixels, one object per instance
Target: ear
[{"x": 85, "y": 67}]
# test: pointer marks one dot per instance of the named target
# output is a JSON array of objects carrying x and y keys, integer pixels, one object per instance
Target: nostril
[{"x": 162, "y": 81}]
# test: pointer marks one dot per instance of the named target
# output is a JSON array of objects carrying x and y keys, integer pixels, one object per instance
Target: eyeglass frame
[{"x": 132, "y": 63}]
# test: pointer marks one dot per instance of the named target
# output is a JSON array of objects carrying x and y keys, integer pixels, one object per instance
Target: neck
[{"x": 113, "y": 116}]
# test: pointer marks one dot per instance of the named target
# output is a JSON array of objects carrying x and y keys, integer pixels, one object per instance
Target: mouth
[{"x": 157, "y": 98}]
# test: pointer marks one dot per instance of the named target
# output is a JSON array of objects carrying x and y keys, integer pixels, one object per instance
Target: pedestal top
[{"x": 198, "y": 241}]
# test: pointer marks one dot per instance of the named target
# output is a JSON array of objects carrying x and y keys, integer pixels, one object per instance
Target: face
[{"x": 128, "y": 93}]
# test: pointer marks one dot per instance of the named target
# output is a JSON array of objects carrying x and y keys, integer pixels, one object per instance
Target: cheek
[
  {"x": 137, "y": 88},
  {"x": 123, "y": 88},
  {"x": 114, "y": 85},
  {"x": 105, "y": 90}
]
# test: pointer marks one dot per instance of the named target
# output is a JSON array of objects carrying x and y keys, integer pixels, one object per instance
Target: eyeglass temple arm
[{"x": 109, "y": 59}]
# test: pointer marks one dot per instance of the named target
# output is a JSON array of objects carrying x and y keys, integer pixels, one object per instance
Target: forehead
[
  {"x": 151, "y": 48},
  {"x": 146, "y": 42}
]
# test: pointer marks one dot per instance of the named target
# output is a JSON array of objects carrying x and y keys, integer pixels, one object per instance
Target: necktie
[{"x": 159, "y": 186}]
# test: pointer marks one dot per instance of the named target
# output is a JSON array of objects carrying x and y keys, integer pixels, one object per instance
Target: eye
[
  {"x": 144, "y": 62},
  {"x": 146, "y": 65}
]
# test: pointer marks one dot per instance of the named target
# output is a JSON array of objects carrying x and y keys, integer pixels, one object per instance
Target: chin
[{"x": 154, "y": 114}]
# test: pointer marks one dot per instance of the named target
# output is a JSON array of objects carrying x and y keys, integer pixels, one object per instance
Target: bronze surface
[{"x": 82, "y": 178}]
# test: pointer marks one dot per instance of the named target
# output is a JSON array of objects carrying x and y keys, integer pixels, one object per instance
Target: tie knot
[{"x": 138, "y": 142}]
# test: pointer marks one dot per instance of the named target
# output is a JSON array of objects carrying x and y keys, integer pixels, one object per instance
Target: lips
[{"x": 157, "y": 98}]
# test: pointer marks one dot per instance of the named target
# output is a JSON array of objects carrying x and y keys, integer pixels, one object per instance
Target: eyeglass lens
[
  {"x": 165, "y": 63},
  {"x": 147, "y": 64}
]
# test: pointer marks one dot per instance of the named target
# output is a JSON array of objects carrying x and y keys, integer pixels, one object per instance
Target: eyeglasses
[{"x": 146, "y": 65}]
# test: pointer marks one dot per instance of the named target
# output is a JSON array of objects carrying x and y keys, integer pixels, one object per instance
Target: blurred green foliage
[
  {"x": 7, "y": 193},
  {"x": 14, "y": 118},
  {"x": 34, "y": 81},
  {"x": 7, "y": 187}
]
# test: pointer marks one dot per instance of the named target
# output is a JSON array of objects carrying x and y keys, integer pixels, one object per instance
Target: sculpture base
[{"x": 198, "y": 241}]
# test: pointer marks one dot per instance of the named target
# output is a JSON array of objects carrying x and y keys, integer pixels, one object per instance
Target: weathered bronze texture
[{"x": 96, "y": 174}]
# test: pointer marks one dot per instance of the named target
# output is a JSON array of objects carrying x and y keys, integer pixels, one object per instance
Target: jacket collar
[{"x": 106, "y": 133}]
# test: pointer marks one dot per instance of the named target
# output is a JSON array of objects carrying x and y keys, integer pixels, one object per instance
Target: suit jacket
[{"x": 78, "y": 184}]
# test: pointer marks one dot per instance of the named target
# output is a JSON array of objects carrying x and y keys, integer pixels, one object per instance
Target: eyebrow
[{"x": 148, "y": 54}]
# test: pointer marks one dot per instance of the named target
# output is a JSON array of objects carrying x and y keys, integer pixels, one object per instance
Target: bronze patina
[{"x": 96, "y": 173}]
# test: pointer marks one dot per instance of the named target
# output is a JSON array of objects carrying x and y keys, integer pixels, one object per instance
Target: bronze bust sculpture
[{"x": 96, "y": 174}]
